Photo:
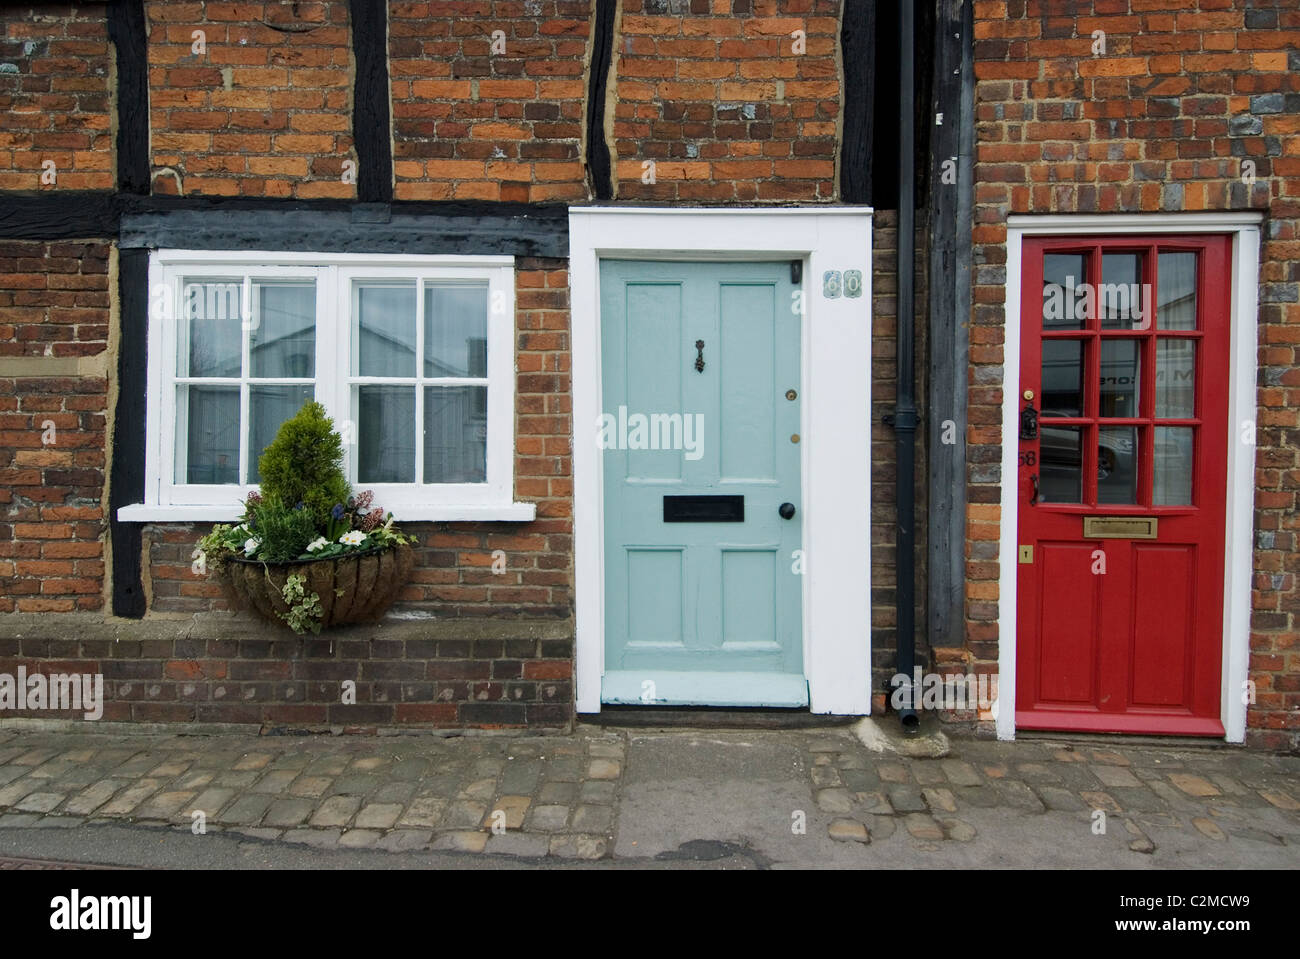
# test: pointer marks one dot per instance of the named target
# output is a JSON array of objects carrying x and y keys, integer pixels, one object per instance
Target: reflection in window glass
[
  {"x": 1062, "y": 378},
  {"x": 386, "y": 434},
  {"x": 1060, "y": 470},
  {"x": 455, "y": 434},
  {"x": 455, "y": 331},
  {"x": 268, "y": 408},
  {"x": 1119, "y": 378},
  {"x": 1175, "y": 378},
  {"x": 1172, "y": 478},
  {"x": 210, "y": 310},
  {"x": 1117, "y": 465},
  {"x": 1121, "y": 298},
  {"x": 1064, "y": 276},
  {"x": 282, "y": 338},
  {"x": 208, "y": 446},
  {"x": 386, "y": 330},
  {"x": 1176, "y": 301}
]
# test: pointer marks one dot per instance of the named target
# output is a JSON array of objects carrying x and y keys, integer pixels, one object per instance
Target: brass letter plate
[{"x": 1120, "y": 527}]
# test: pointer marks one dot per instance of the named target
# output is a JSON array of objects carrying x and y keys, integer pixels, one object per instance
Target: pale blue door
[{"x": 700, "y": 422}]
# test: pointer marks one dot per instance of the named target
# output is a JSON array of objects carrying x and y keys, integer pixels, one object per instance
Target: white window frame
[{"x": 335, "y": 274}]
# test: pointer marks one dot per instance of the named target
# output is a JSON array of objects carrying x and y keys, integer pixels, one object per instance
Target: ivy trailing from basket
[{"x": 305, "y": 611}]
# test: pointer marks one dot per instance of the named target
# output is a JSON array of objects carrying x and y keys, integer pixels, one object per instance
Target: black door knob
[{"x": 786, "y": 510}]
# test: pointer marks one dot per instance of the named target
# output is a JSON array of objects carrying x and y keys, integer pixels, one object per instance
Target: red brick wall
[
  {"x": 53, "y": 297},
  {"x": 265, "y": 110},
  {"x": 56, "y": 106},
  {"x": 474, "y": 122},
  {"x": 722, "y": 104},
  {"x": 1161, "y": 122}
]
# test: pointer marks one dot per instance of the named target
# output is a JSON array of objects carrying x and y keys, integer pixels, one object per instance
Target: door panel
[
  {"x": 697, "y": 361},
  {"x": 1122, "y": 483}
]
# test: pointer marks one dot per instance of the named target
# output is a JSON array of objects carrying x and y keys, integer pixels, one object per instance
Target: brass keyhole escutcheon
[
  {"x": 790, "y": 394},
  {"x": 794, "y": 437}
]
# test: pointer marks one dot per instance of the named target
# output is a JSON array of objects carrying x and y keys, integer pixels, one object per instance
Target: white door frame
[
  {"x": 1238, "y": 561},
  {"x": 836, "y": 421}
]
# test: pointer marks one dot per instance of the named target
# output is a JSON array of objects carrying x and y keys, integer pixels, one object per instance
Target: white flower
[
  {"x": 250, "y": 547},
  {"x": 320, "y": 542},
  {"x": 354, "y": 538}
]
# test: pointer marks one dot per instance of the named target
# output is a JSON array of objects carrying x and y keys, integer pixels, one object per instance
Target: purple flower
[{"x": 337, "y": 511}]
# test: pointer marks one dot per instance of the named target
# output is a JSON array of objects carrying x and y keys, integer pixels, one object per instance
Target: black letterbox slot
[{"x": 704, "y": 509}]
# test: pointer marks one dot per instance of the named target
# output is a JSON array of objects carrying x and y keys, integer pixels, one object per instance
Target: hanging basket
[{"x": 353, "y": 589}]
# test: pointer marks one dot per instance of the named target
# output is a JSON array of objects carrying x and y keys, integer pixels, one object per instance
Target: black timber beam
[
  {"x": 599, "y": 168},
  {"x": 126, "y": 479},
  {"x": 949, "y": 311},
  {"x": 371, "y": 127},
  {"x": 127, "y": 30},
  {"x": 858, "y": 54}
]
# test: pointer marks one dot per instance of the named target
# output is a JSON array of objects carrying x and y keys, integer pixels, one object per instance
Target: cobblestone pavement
[{"x": 602, "y": 793}]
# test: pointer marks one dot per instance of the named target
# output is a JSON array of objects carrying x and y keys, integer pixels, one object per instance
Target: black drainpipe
[{"x": 904, "y": 419}]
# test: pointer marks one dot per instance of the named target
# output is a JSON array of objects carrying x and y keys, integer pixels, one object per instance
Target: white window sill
[{"x": 504, "y": 513}]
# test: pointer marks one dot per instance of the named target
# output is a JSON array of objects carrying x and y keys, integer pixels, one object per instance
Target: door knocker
[{"x": 699, "y": 356}]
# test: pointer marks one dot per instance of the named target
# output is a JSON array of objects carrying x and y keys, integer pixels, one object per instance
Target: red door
[{"x": 1122, "y": 481}]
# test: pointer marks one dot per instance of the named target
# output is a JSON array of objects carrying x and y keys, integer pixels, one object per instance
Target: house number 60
[{"x": 835, "y": 284}]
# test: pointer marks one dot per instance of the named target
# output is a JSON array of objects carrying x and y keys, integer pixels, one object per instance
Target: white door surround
[
  {"x": 835, "y": 427},
  {"x": 1238, "y": 563}
]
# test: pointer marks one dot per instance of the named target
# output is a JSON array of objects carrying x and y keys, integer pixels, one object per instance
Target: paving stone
[
  {"x": 548, "y": 818},
  {"x": 848, "y": 830},
  {"x": 1275, "y": 797},
  {"x": 480, "y": 789},
  {"x": 1194, "y": 785},
  {"x": 519, "y": 844},
  {"x": 425, "y": 811},
  {"x": 196, "y": 779},
  {"x": 356, "y": 784},
  {"x": 400, "y": 793},
  {"x": 928, "y": 774},
  {"x": 39, "y": 802},
  {"x": 874, "y": 802},
  {"x": 1054, "y": 797},
  {"x": 1067, "y": 755},
  {"x": 600, "y": 750},
  {"x": 593, "y": 819},
  {"x": 834, "y": 800},
  {"x": 369, "y": 763},
  {"x": 823, "y": 776},
  {"x": 996, "y": 771},
  {"x": 1016, "y": 793},
  {"x": 246, "y": 810},
  {"x": 906, "y": 799},
  {"x": 336, "y": 811},
  {"x": 960, "y": 773},
  {"x": 257, "y": 832},
  {"x": 578, "y": 847},
  {"x": 1143, "y": 799},
  {"x": 508, "y": 811},
  {"x": 359, "y": 838},
  {"x": 560, "y": 792},
  {"x": 210, "y": 801},
  {"x": 402, "y": 840},
  {"x": 229, "y": 777},
  {"x": 893, "y": 772},
  {"x": 1230, "y": 785},
  {"x": 9, "y": 773},
  {"x": 464, "y": 814},
  {"x": 288, "y": 812},
  {"x": 317, "y": 838},
  {"x": 958, "y": 830},
  {"x": 882, "y": 827},
  {"x": 1143, "y": 845},
  {"x": 521, "y": 778},
  {"x": 598, "y": 791},
  {"x": 1037, "y": 773},
  {"x": 274, "y": 782},
  {"x": 860, "y": 780},
  {"x": 36, "y": 757},
  {"x": 604, "y": 769},
  {"x": 567, "y": 769},
  {"x": 982, "y": 797},
  {"x": 825, "y": 745},
  {"x": 91, "y": 798},
  {"x": 1109, "y": 758},
  {"x": 165, "y": 805},
  {"x": 15, "y": 791},
  {"x": 1236, "y": 832},
  {"x": 1103, "y": 801},
  {"x": 327, "y": 766},
  {"x": 378, "y": 816},
  {"x": 1165, "y": 819},
  {"x": 1114, "y": 777},
  {"x": 462, "y": 841},
  {"x": 169, "y": 769},
  {"x": 129, "y": 798},
  {"x": 921, "y": 826},
  {"x": 252, "y": 761},
  {"x": 311, "y": 786},
  {"x": 940, "y": 800}
]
